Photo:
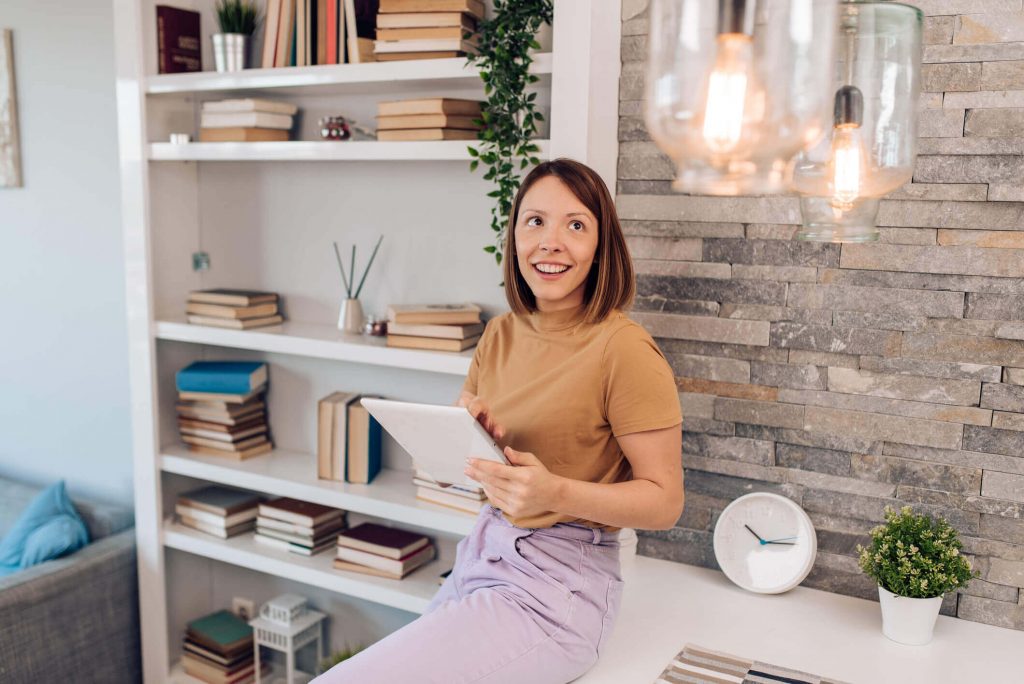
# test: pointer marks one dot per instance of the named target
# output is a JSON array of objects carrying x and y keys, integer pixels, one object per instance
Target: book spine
[
  {"x": 161, "y": 45},
  {"x": 224, "y": 382}
]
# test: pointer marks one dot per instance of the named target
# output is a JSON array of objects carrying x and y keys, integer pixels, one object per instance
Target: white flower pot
[{"x": 908, "y": 620}]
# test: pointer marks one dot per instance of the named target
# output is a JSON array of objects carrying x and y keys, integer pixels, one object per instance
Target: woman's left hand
[{"x": 523, "y": 489}]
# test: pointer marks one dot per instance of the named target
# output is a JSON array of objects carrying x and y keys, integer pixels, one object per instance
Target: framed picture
[{"x": 10, "y": 154}]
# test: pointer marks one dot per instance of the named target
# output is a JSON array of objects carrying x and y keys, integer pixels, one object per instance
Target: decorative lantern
[
  {"x": 736, "y": 88},
  {"x": 286, "y": 624},
  {"x": 873, "y": 142}
]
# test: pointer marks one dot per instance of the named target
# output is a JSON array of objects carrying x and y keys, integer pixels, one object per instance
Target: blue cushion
[{"x": 48, "y": 528}]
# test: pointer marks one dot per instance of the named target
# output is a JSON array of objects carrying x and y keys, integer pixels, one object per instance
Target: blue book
[
  {"x": 364, "y": 442},
  {"x": 222, "y": 377}
]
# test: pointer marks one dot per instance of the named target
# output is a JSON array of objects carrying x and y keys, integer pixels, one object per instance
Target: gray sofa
[{"x": 76, "y": 618}]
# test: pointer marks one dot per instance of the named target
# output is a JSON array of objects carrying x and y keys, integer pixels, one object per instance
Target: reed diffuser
[{"x": 350, "y": 315}]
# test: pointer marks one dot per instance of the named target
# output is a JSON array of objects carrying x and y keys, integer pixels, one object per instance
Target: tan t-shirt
[{"x": 564, "y": 390}]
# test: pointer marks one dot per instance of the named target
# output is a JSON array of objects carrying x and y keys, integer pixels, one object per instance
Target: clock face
[{"x": 765, "y": 543}]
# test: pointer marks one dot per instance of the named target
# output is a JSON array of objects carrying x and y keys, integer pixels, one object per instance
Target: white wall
[{"x": 63, "y": 369}]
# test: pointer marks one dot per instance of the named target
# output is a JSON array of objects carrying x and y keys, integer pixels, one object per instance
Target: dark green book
[{"x": 222, "y": 631}]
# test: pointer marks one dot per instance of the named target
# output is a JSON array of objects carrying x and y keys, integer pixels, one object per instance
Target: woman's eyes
[{"x": 579, "y": 223}]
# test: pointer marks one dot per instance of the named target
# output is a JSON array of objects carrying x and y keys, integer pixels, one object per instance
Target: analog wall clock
[{"x": 765, "y": 543}]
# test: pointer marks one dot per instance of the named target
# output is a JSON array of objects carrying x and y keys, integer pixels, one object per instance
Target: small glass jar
[
  {"x": 735, "y": 89},
  {"x": 871, "y": 147},
  {"x": 377, "y": 327}
]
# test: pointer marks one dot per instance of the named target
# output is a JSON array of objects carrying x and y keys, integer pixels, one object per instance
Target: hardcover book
[
  {"x": 221, "y": 295},
  {"x": 434, "y": 313},
  {"x": 390, "y": 542},
  {"x": 234, "y": 377},
  {"x": 178, "y": 40},
  {"x": 302, "y": 512},
  {"x": 218, "y": 499},
  {"x": 429, "y": 105}
]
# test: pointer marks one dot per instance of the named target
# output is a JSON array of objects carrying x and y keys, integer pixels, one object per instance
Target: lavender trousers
[{"x": 521, "y": 605}]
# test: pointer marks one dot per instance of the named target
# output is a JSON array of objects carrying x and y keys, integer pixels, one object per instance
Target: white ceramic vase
[
  {"x": 908, "y": 620},
  {"x": 350, "y": 316}
]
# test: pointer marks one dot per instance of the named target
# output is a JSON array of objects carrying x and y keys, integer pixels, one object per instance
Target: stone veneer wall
[{"x": 848, "y": 377}]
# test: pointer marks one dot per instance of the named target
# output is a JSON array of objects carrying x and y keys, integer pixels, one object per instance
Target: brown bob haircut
[{"x": 611, "y": 282}]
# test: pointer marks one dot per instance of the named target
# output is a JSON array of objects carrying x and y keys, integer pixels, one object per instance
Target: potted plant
[
  {"x": 916, "y": 560},
  {"x": 336, "y": 657},
  {"x": 238, "y": 20}
]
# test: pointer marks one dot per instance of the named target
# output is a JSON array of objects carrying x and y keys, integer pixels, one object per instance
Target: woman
[{"x": 588, "y": 408}]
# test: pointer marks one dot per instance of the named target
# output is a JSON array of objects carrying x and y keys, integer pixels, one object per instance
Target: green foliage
[
  {"x": 509, "y": 112},
  {"x": 336, "y": 658},
  {"x": 915, "y": 555},
  {"x": 238, "y": 16}
]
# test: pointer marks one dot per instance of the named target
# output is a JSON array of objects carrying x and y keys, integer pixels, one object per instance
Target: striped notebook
[{"x": 699, "y": 665}]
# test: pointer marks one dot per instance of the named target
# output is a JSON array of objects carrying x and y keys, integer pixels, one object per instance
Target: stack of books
[
  {"x": 221, "y": 408},
  {"x": 468, "y": 498},
  {"x": 239, "y": 309},
  {"x": 427, "y": 29},
  {"x": 220, "y": 511},
  {"x": 218, "y": 648},
  {"x": 245, "y": 120},
  {"x": 433, "y": 118},
  {"x": 298, "y": 526},
  {"x": 348, "y": 439},
  {"x": 383, "y": 551},
  {"x": 442, "y": 327}
]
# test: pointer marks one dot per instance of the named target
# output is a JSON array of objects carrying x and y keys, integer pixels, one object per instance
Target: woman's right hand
[{"x": 479, "y": 409}]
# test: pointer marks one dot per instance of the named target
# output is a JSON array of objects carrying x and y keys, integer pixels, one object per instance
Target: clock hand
[
  {"x": 796, "y": 536},
  {"x": 775, "y": 542},
  {"x": 754, "y": 533}
]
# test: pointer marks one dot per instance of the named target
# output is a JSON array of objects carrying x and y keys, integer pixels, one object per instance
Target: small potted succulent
[
  {"x": 238, "y": 20},
  {"x": 916, "y": 560}
]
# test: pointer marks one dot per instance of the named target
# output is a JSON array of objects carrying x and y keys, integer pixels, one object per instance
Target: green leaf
[
  {"x": 473, "y": 164},
  {"x": 490, "y": 249},
  {"x": 473, "y": 152}
]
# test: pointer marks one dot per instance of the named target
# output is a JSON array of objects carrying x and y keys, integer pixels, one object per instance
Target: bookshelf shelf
[
  {"x": 318, "y": 341},
  {"x": 386, "y": 78},
  {"x": 321, "y": 150},
  {"x": 391, "y": 495},
  {"x": 412, "y": 593}
]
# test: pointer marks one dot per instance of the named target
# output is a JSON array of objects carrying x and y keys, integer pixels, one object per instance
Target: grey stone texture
[{"x": 851, "y": 377}]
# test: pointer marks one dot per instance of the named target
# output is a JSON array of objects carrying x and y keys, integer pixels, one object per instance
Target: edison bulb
[{"x": 727, "y": 93}]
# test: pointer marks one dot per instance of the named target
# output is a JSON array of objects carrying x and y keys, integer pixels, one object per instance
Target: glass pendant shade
[
  {"x": 735, "y": 89},
  {"x": 871, "y": 148}
]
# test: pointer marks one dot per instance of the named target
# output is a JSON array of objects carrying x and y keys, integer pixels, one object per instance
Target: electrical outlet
[{"x": 243, "y": 607}]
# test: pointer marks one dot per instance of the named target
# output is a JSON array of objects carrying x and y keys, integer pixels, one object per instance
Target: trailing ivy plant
[{"x": 508, "y": 115}]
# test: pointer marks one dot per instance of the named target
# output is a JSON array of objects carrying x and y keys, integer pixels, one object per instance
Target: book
[
  {"x": 298, "y": 511},
  {"x": 238, "y": 455},
  {"x": 237, "y": 312},
  {"x": 433, "y": 343},
  {"x": 228, "y": 415},
  {"x": 244, "y": 120},
  {"x": 238, "y": 134},
  {"x": 270, "y": 28},
  {"x": 201, "y": 652},
  {"x": 428, "y": 134},
  {"x": 225, "y": 446},
  {"x": 455, "y": 490},
  {"x": 216, "y": 530},
  {"x": 218, "y": 429},
  {"x": 399, "y": 56},
  {"x": 381, "y": 540},
  {"x": 331, "y": 32},
  {"x": 429, "y": 105},
  {"x": 341, "y": 440},
  {"x": 239, "y": 324},
  {"x": 325, "y": 451},
  {"x": 425, "y": 45},
  {"x": 179, "y": 48},
  {"x": 454, "y": 332},
  {"x": 285, "y": 34},
  {"x": 453, "y": 314},
  {"x": 228, "y": 377},
  {"x": 327, "y": 535},
  {"x": 340, "y": 564},
  {"x": 401, "y": 566},
  {"x": 214, "y": 518},
  {"x": 305, "y": 530},
  {"x": 425, "y": 20},
  {"x": 460, "y": 503},
  {"x": 221, "y": 631},
  {"x": 231, "y": 297},
  {"x": 387, "y": 123},
  {"x": 474, "y": 7},
  {"x": 363, "y": 460},
  {"x": 422, "y": 33},
  {"x": 220, "y": 500},
  {"x": 301, "y": 31},
  {"x": 321, "y": 32},
  {"x": 352, "y": 42},
  {"x": 290, "y": 547},
  {"x": 220, "y": 396},
  {"x": 213, "y": 673},
  {"x": 227, "y": 437},
  {"x": 250, "y": 104}
]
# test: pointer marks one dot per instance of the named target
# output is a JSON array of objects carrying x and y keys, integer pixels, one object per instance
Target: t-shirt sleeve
[
  {"x": 640, "y": 391},
  {"x": 470, "y": 385}
]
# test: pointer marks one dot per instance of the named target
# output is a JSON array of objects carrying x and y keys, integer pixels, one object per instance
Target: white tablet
[{"x": 439, "y": 438}]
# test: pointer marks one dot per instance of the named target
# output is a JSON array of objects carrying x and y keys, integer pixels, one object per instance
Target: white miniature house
[{"x": 285, "y": 624}]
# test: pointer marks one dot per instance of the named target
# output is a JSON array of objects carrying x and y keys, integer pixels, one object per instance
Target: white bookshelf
[{"x": 265, "y": 225}]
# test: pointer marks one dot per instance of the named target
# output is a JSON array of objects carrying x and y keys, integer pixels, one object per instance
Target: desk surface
[{"x": 667, "y": 604}]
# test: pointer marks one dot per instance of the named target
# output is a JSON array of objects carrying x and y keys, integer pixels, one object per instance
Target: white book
[
  {"x": 250, "y": 104},
  {"x": 245, "y": 120},
  {"x": 423, "y": 45},
  {"x": 282, "y": 545},
  {"x": 454, "y": 490},
  {"x": 391, "y": 565},
  {"x": 214, "y": 519},
  {"x": 454, "y": 332},
  {"x": 215, "y": 530},
  {"x": 450, "y": 500}
]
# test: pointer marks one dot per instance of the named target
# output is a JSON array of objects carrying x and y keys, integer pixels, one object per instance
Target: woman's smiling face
[{"x": 555, "y": 228}]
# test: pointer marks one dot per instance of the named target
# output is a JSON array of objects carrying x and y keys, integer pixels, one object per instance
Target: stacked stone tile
[{"x": 848, "y": 377}]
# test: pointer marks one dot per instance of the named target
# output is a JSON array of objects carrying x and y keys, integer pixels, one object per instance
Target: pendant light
[
  {"x": 735, "y": 89},
  {"x": 872, "y": 145}
]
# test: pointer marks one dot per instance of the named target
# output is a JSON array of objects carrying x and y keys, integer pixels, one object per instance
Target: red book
[
  {"x": 178, "y": 40},
  {"x": 332, "y": 31}
]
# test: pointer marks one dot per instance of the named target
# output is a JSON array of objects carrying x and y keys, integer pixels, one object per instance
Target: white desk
[{"x": 806, "y": 629}]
